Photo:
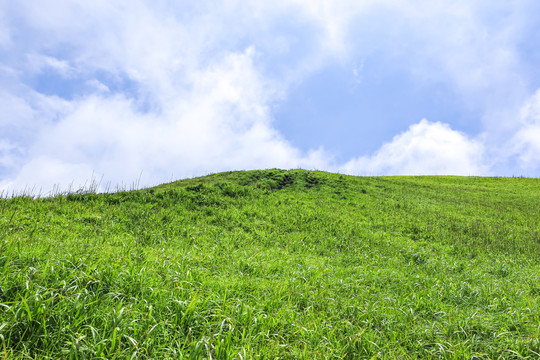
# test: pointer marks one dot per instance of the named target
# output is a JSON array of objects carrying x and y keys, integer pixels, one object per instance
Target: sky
[{"x": 150, "y": 91}]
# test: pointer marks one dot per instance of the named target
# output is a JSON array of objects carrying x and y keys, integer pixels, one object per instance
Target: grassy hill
[{"x": 275, "y": 264}]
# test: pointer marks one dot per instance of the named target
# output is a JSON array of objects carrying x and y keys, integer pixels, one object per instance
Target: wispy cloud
[
  {"x": 41, "y": 63},
  {"x": 525, "y": 143}
]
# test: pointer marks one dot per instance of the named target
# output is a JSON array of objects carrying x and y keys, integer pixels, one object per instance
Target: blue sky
[{"x": 160, "y": 90}]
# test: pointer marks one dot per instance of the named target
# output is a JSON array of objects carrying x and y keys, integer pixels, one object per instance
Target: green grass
[{"x": 275, "y": 264}]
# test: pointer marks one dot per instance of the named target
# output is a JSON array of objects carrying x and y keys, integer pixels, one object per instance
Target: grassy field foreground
[{"x": 275, "y": 264}]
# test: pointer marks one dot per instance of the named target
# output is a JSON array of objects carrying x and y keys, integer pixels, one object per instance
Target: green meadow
[{"x": 275, "y": 264}]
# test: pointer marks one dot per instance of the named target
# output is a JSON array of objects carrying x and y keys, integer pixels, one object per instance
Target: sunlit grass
[{"x": 275, "y": 264}]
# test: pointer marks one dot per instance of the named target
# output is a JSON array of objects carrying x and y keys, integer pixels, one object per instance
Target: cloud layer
[{"x": 169, "y": 90}]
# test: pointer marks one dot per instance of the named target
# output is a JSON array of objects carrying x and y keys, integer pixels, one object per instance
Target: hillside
[{"x": 275, "y": 264}]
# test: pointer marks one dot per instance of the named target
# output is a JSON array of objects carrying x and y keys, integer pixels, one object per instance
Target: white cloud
[
  {"x": 525, "y": 143},
  {"x": 468, "y": 44},
  {"x": 41, "y": 63},
  {"x": 198, "y": 107},
  {"x": 16, "y": 108},
  {"x": 42, "y": 175},
  {"x": 97, "y": 86},
  {"x": 28, "y": 114},
  {"x": 8, "y": 154},
  {"x": 425, "y": 148},
  {"x": 222, "y": 123}
]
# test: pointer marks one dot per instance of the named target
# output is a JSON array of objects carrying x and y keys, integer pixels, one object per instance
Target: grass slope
[{"x": 275, "y": 264}]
